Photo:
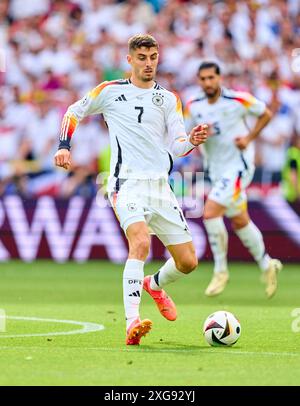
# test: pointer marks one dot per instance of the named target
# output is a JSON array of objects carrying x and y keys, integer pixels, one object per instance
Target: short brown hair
[
  {"x": 209, "y": 65},
  {"x": 142, "y": 40}
]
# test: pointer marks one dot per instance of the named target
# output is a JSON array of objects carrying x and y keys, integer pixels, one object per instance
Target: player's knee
[
  {"x": 239, "y": 222},
  {"x": 187, "y": 264},
  {"x": 139, "y": 247},
  {"x": 208, "y": 214},
  {"x": 213, "y": 210}
]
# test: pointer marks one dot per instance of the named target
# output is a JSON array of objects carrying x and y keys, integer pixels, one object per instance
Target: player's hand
[
  {"x": 62, "y": 158},
  {"x": 242, "y": 142},
  {"x": 198, "y": 135}
]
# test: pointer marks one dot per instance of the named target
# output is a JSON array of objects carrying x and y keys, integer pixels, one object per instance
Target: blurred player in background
[
  {"x": 229, "y": 158},
  {"x": 146, "y": 132}
]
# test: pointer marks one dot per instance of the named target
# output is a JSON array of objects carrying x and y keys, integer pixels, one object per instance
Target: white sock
[
  {"x": 218, "y": 240},
  {"x": 133, "y": 276},
  {"x": 252, "y": 239},
  {"x": 167, "y": 273}
]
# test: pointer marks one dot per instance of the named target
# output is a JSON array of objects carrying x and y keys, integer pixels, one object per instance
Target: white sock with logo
[
  {"x": 167, "y": 273},
  {"x": 218, "y": 240},
  {"x": 252, "y": 239},
  {"x": 133, "y": 277}
]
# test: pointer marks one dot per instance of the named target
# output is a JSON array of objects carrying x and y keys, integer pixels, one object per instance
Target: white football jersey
[
  {"x": 146, "y": 127},
  {"x": 227, "y": 120}
]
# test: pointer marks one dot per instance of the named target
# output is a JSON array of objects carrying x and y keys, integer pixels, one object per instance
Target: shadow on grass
[
  {"x": 176, "y": 347},
  {"x": 173, "y": 346}
]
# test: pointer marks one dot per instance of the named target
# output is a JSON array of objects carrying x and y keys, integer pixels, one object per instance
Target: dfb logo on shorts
[{"x": 131, "y": 206}]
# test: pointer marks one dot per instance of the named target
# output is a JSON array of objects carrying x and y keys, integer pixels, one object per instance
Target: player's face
[
  {"x": 209, "y": 81},
  {"x": 144, "y": 63}
]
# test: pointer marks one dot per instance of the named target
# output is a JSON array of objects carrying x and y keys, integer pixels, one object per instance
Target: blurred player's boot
[
  {"x": 165, "y": 304},
  {"x": 217, "y": 284},
  {"x": 270, "y": 277},
  {"x": 137, "y": 330}
]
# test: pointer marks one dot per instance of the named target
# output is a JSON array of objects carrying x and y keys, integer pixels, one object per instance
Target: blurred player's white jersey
[
  {"x": 145, "y": 125},
  {"x": 227, "y": 120}
]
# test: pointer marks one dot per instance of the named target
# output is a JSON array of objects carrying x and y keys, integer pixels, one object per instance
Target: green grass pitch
[{"x": 174, "y": 353}]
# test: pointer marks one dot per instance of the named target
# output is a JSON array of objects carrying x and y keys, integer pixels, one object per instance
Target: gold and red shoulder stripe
[
  {"x": 178, "y": 103},
  {"x": 246, "y": 99},
  {"x": 98, "y": 89}
]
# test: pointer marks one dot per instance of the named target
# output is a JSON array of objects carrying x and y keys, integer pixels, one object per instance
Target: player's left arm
[
  {"x": 181, "y": 143},
  {"x": 258, "y": 108}
]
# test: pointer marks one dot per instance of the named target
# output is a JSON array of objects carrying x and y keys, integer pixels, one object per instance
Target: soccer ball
[{"x": 221, "y": 328}]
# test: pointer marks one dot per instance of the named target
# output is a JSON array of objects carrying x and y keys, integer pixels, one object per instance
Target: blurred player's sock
[
  {"x": 167, "y": 273},
  {"x": 133, "y": 276},
  {"x": 218, "y": 240},
  {"x": 252, "y": 239}
]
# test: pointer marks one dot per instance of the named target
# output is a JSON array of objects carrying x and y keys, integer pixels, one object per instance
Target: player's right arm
[
  {"x": 251, "y": 105},
  {"x": 92, "y": 103}
]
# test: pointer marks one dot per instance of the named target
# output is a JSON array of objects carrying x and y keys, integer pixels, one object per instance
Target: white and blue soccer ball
[{"x": 221, "y": 328}]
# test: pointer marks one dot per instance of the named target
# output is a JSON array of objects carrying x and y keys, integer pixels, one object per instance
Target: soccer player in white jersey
[
  {"x": 147, "y": 131},
  {"x": 229, "y": 158}
]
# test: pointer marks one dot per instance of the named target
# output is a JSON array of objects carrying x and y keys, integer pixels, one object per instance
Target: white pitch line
[
  {"x": 86, "y": 327},
  {"x": 162, "y": 350}
]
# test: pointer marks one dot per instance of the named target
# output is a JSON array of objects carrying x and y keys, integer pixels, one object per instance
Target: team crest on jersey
[
  {"x": 157, "y": 99},
  {"x": 131, "y": 206}
]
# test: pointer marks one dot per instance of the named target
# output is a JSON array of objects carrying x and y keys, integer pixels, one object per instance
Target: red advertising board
[{"x": 80, "y": 229}]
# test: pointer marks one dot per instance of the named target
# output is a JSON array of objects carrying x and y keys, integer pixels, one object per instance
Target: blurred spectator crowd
[{"x": 54, "y": 51}]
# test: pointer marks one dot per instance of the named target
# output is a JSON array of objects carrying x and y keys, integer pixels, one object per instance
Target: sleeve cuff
[
  {"x": 190, "y": 144},
  {"x": 64, "y": 145}
]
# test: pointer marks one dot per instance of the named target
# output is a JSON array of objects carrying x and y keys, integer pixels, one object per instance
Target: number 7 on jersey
[{"x": 141, "y": 109}]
